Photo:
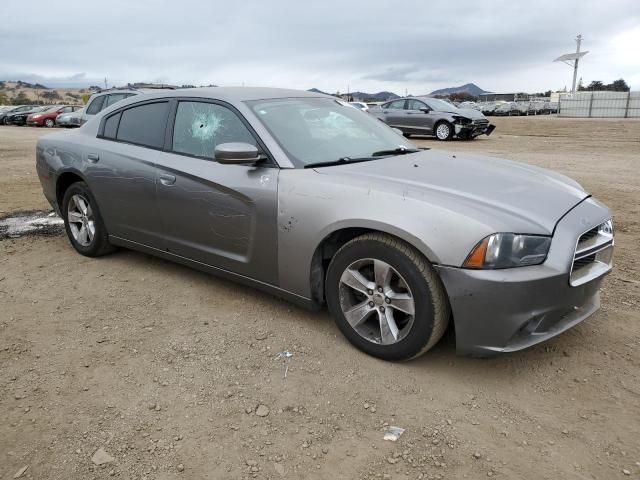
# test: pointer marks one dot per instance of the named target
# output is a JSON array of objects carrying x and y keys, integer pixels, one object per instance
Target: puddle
[{"x": 30, "y": 223}]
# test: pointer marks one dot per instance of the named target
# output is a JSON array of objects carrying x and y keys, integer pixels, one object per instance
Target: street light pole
[{"x": 575, "y": 65}]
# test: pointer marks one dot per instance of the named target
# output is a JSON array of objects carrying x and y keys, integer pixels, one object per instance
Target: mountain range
[{"x": 470, "y": 88}]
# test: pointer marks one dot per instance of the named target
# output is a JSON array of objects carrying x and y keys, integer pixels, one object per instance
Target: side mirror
[
  {"x": 425, "y": 110},
  {"x": 236, "y": 153},
  {"x": 397, "y": 130}
]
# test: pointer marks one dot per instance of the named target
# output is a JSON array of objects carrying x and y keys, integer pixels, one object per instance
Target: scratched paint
[{"x": 30, "y": 223}]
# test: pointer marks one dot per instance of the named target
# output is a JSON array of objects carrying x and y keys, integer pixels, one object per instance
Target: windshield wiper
[
  {"x": 340, "y": 161},
  {"x": 395, "y": 151},
  {"x": 373, "y": 156}
]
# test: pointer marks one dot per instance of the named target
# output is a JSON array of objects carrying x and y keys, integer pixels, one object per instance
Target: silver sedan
[{"x": 312, "y": 200}]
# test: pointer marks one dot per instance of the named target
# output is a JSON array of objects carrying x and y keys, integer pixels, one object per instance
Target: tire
[
  {"x": 88, "y": 245},
  {"x": 412, "y": 278},
  {"x": 49, "y": 123},
  {"x": 444, "y": 131}
]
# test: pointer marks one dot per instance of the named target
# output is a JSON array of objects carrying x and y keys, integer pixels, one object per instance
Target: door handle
[
  {"x": 167, "y": 179},
  {"x": 93, "y": 157}
]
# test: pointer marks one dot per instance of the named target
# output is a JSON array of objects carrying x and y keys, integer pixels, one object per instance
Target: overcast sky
[{"x": 373, "y": 45}]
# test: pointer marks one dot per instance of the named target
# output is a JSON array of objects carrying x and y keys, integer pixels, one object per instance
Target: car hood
[
  {"x": 513, "y": 193},
  {"x": 465, "y": 112}
]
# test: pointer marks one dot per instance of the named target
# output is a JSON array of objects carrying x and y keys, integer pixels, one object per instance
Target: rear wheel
[
  {"x": 444, "y": 131},
  {"x": 83, "y": 222},
  {"x": 386, "y": 298}
]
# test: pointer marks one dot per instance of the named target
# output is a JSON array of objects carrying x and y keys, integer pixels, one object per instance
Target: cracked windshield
[
  {"x": 201, "y": 126},
  {"x": 314, "y": 130}
]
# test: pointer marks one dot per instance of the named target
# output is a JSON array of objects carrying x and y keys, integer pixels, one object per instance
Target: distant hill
[
  {"x": 470, "y": 88},
  {"x": 315, "y": 90},
  {"x": 363, "y": 96},
  {"x": 26, "y": 93},
  {"x": 374, "y": 97}
]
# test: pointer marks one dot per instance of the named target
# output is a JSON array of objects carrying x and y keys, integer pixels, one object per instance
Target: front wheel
[
  {"x": 444, "y": 131},
  {"x": 386, "y": 298},
  {"x": 83, "y": 222},
  {"x": 49, "y": 123}
]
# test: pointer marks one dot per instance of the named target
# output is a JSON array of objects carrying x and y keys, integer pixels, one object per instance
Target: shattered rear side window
[{"x": 199, "y": 127}]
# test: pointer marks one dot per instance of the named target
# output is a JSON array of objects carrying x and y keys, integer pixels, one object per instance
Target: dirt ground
[{"x": 164, "y": 367}]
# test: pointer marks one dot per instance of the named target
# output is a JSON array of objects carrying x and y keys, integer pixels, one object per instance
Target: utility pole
[
  {"x": 105, "y": 83},
  {"x": 572, "y": 60},
  {"x": 575, "y": 65}
]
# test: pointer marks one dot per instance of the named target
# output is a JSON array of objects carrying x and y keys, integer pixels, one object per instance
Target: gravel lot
[{"x": 175, "y": 374}]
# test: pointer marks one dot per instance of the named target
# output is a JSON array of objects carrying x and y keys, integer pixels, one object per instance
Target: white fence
[{"x": 600, "y": 104}]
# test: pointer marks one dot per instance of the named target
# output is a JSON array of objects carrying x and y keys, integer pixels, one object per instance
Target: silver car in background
[
  {"x": 432, "y": 116},
  {"x": 312, "y": 200}
]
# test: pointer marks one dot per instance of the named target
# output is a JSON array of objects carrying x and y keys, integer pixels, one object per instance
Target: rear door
[
  {"x": 219, "y": 215},
  {"x": 394, "y": 113},
  {"x": 122, "y": 172}
]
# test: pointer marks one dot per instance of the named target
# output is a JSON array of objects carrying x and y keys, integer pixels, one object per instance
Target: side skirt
[{"x": 218, "y": 272}]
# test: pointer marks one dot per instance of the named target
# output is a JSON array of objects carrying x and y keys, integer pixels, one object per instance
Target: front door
[
  {"x": 419, "y": 117},
  {"x": 219, "y": 215}
]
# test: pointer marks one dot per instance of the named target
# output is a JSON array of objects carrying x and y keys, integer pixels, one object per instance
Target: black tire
[
  {"x": 99, "y": 245},
  {"x": 432, "y": 309},
  {"x": 450, "y": 134},
  {"x": 49, "y": 123}
]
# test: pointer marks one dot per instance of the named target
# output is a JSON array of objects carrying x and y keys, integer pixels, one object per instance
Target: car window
[
  {"x": 200, "y": 126},
  {"x": 315, "y": 129},
  {"x": 115, "y": 97},
  {"x": 96, "y": 105},
  {"x": 111, "y": 126},
  {"x": 67, "y": 110},
  {"x": 416, "y": 105},
  {"x": 144, "y": 125},
  {"x": 397, "y": 104}
]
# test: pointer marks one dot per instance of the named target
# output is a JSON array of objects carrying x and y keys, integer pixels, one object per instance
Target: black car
[
  {"x": 11, "y": 111},
  {"x": 20, "y": 118}
]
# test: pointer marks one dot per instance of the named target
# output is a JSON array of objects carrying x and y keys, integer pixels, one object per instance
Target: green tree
[
  {"x": 20, "y": 99},
  {"x": 619, "y": 86}
]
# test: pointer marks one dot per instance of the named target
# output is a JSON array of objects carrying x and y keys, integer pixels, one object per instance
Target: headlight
[
  {"x": 462, "y": 120},
  {"x": 508, "y": 250}
]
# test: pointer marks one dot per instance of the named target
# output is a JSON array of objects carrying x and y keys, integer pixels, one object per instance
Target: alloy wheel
[
  {"x": 442, "y": 132},
  {"x": 81, "y": 220},
  {"x": 376, "y": 301}
]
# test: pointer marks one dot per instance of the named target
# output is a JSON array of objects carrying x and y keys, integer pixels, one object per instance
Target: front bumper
[
  {"x": 474, "y": 130},
  {"x": 507, "y": 310}
]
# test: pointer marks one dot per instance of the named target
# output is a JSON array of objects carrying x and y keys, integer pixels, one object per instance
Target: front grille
[
  {"x": 481, "y": 122},
  {"x": 590, "y": 234},
  {"x": 583, "y": 262},
  {"x": 593, "y": 254}
]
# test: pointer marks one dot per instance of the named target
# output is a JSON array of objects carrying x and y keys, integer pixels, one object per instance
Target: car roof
[{"x": 234, "y": 94}]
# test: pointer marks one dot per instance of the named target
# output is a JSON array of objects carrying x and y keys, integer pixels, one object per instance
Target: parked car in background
[
  {"x": 472, "y": 105},
  {"x": 12, "y": 110},
  {"x": 20, "y": 118},
  {"x": 47, "y": 118},
  {"x": 254, "y": 185},
  {"x": 360, "y": 105},
  {"x": 70, "y": 120},
  {"x": 105, "y": 98},
  {"x": 432, "y": 116},
  {"x": 509, "y": 108},
  {"x": 552, "y": 107}
]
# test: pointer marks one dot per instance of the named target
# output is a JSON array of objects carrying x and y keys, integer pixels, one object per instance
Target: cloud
[{"x": 368, "y": 45}]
